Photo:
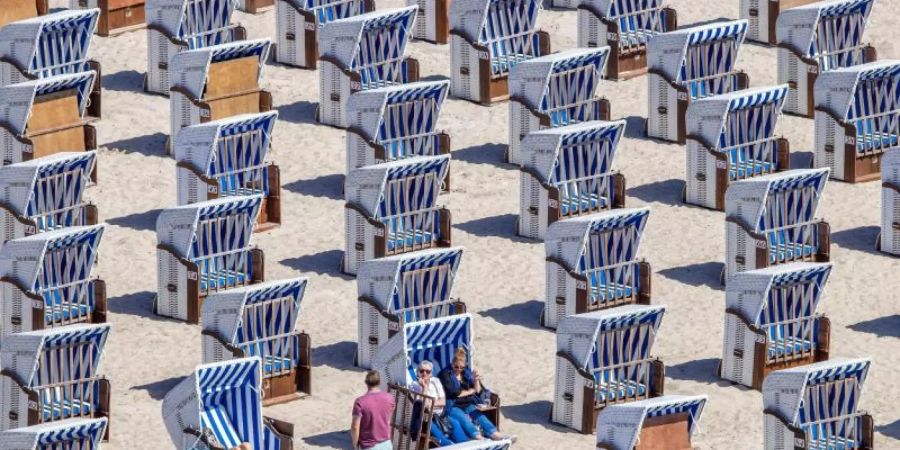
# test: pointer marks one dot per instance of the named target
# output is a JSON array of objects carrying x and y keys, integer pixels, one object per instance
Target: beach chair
[
  {"x": 401, "y": 289},
  {"x": 46, "y": 116},
  {"x": 68, "y": 434},
  {"x": 434, "y": 340},
  {"x": 262, "y": 320},
  {"x": 411, "y": 419},
  {"x": 433, "y": 22},
  {"x": 396, "y": 122},
  {"x": 888, "y": 240},
  {"x": 219, "y": 406},
  {"x": 216, "y": 82},
  {"x": 228, "y": 158},
  {"x": 690, "y": 64},
  {"x": 177, "y": 25},
  {"x": 732, "y": 137},
  {"x": 771, "y": 321},
  {"x": 53, "y": 375},
  {"x": 567, "y": 172},
  {"x": 487, "y": 39},
  {"x": 625, "y": 26},
  {"x": 49, "y": 45},
  {"x": 592, "y": 264},
  {"x": 816, "y": 38},
  {"x": 602, "y": 359},
  {"x": 15, "y": 10},
  {"x": 46, "y": 194},
  {"x": 298, "y": 23},
  {"x": 363, "y": 52},
  {"x": 771, "y": 220},
  {"x": 116, "y": 16},
  {"x": 857, "y": 118},
  {"x": 204, "y": 248},
  {"x": 553, "y": 91},
  {"x": 816, "y": 407},
  {"x": 391, "y": 208},
  {"x": 46, "y": 280},
  {"x": 665, "y": 423}
]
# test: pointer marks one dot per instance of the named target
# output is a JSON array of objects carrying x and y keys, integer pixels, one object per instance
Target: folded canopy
[
  {"x": 697, "y": 52},
  {"x": 25, "y": 353},
  {"x": 208, "y": 227},
  {"x": 776, "y": 200},
  {"x": 51, "y": 44}
]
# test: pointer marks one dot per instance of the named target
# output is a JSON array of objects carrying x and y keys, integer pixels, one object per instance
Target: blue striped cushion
[{"x": 60, "y": 409}]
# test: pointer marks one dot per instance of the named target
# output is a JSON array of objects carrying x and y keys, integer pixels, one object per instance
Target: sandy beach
[{"x": 501, "y": 277}]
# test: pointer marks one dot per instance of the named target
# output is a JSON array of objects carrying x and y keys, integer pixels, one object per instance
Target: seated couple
[{"x": 457, "y": 417}]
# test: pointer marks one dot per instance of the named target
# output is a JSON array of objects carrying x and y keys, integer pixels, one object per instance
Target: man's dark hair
[{"x": 373, "y": 378}]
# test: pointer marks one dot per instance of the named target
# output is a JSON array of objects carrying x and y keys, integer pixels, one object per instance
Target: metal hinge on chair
[
  {"x": 739, "y": 259},
  {"x": 16, "y": 320},
  {"x": 463, "y": 70},
  {"x": 335, "y": 97},
  {"x": 662, "y": 110},
  {"x": 829, "y": 148},
  {"x": 560, "y": 300},
  {"x": 359, "y": 246},
  {"x": 291, "y": 37},
  {"x": 373, "y": 340},
  {"x": 568, "y": 397},
  {"x": 533, "y": 209},
  {"x": 171, "y": 287}
]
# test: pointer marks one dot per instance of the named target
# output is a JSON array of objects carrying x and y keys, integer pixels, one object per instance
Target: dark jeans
[
  {"x": 456, "y": 432},
  {"x": 466, "y": 415}
]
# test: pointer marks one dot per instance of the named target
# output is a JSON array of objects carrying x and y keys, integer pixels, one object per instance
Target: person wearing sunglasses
[
  {"x": 442, "y": 424},
  {"x": 463, "y": 389}
]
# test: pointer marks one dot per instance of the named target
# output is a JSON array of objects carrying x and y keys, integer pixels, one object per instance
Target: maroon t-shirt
[{"x": 374, "y": 410}]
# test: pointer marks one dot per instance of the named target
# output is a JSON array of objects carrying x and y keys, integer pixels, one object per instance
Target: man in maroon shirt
[{"x": 371, "y": 429}]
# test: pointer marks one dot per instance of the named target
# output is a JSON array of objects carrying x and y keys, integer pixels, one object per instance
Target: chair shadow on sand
[
  {"x": 139, "y": 304},
  {"x": 891, "y": 430},
  {"x": 886, "y": 326},
  {"x": 142, "y": 221},
  {"x": 861, "y": 239},
  {"x": 149, "y": 144},
  {"x": 699, "y": 370},
  {"x": 124, "y": 80},
  {"x": 502, "y": 225},
  {"x": 322, "y": 263},
  {"x": 525, "y": 314},
  {"x": 667, "y": 192},
  {"x": 326, "y": 186},
  {"x": 491, "y": 153},
  {"x": 158, "y": 389},
  {"x": 699, "y": 274},
  {"x": 332, "y": 439},
  {"x": 339, "y": 355},
  {"x": 534, "y": 413},
  {"x": 298, "y": 112}
]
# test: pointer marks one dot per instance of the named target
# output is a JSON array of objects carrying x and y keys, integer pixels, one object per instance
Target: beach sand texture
[{"x": 501, "y": 277}]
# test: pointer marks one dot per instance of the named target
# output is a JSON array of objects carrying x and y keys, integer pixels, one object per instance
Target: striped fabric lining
[
  {"x": 638, "y": 21},
  {"x": 57, "y": 190},
  {"x": 206, "y": 22},
  {"x": 409, "y": 122},
  {"x": 379, "y": 57},
  {"x": 62, "y": 43},
  {"x": 221, "y": 244},
  {"x": 828, "y": 409},
  {"x": 239, "y": 160},
  {"x": 789, "y": 312},
  {"x": 63, "y": 277},
  {"x": 408, "y": 203},
  {"x": 81, "y": 435},
  {"x": 609, "y": 258},
  {"x": 619, "y": 358},
  {"x": 230, "y": 402},
  {"x": 837, "y": 38},
  {"x": 582, "y": 169},
  {"x": 875, "y": 110},
  {"x": 788, "y": 216},
  {"x": 708, "y": 64},
  {"x": 748, "y": 133},
  {"x": 572, "y": 87},
  {"x": 508, "y": 31},
  {"x": 422, "y": 286},
  {"x": 269, "y": 325}
]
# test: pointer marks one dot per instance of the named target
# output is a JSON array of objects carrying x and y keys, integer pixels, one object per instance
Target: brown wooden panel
[
  {"x": 665, "y": 433},
  {"x": 121, "y": 15},
  {"x": 13, "y": 10},
  {"x": 53, "y": 111},
  {"x": 63, "y": 140},
  {"x": 117, "y": 4},
  {"x": 234, "y": 75},
  {"x": 232, "y": 106}
]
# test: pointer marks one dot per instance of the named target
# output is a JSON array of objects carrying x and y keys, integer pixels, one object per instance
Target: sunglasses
[
  {"x": 459, "y": 367},
  {"x": 424, "y": 371}
]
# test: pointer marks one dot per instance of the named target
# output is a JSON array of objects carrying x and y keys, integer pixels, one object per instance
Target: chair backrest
[
  {"x": 399, "y": 187},
  {"x": 503, "y": 26},
  {"x": 621, "y": 423},
  {"x": 49, "y": 190},
  {"x": 700, "y": 57},
  {"x": 787, "y": 294},
  {"x": 53, "y": 44},
  {"x": 200, "y": 23},
  {"x": 574, "y": 152},
  {"x": 561, "y": 84},
  {"x": 50, "y": 357},
  {"x": 638, "y": 20},
  {"x": 816, "y": 392},
  {"x": 401, "y": 118},
  {"x": 415, "y": 286},
  {"x": 371, "y": 44},
  {"x": 209, "y": 228},
  {"x": 37, "y": 105},
  {"x": 612, "y": 337},
  {"x": 597, "y": 240},
  {"x": 830, "y": 32},
  {"x": 68, "y": 434},
  {"x": 56, "y": 265},
  {"x": 434, "y": 340},
  {"x": 232, "y": 151},
  {"x": 220, "y": 70},
  {"x": 330, "y": 10},
  {"x": 777, "y": 200},
  {"x": 738, "y": 119}
]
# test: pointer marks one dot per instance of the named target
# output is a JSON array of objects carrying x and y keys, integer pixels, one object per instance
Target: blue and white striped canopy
[
  {"x": 225, "y": 311},
  {"x": 860, "y": 91},
  {"x": 25, "y": 259},
  {"x": 231, "y": 402},
  {"x": 203, "y": 145},
  {"x": 669, "y": 52},
  {"x": 51, "y": 44},
  {"x": 483, "y": 21},
  {"x": 330, "y": 10},
  {"x": 17, "y": 100},
  {"x": 579, "y": 334},
  {"x": 191, "y": 20},
  {"x": 755, "y": 295},
  {"x": 80, "y": 433},
  {"x": 367, "y": 186},
  {"x": 839, "y": 23},
  {"x": 25, "y": 189},
  {"x": 785, "y": 391},
  {"x": 383, "y": 32},
  {"x": 436, "y": 340},
  {"x": 552, "y": 81},
  {"x": 32, "y": 348},
  {"x": 179, "y": 226},
  {"x": 368, "y": 109},
  {"x": 737, "y": 119}
]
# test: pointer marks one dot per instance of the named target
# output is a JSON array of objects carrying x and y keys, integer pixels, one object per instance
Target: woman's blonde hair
[{"x": 460, "y": 356}]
